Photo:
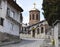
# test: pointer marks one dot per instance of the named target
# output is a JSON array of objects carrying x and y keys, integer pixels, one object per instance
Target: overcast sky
[{"x": 27, "y": 5}]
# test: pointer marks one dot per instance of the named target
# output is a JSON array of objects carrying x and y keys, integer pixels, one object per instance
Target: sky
[{"x": 27, "y": 5}]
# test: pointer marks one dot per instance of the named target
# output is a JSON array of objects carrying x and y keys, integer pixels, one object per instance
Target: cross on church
[{"x": 34, "y": 5}]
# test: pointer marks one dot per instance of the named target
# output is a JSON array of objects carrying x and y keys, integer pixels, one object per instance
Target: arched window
[
  {"x": 33, "y": 16},
  {"x": 36, "y": 16},
  {"x": 38, "y": 31},
  {"x": 42, "y": 29}
]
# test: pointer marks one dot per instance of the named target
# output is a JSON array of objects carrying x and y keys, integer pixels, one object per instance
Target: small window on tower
[
  {"x": 1, "y": 21},
  {"x": 36, "y": 16},
  {"x": 33, "y": 16},
  {"x": 30, "y": 16}
]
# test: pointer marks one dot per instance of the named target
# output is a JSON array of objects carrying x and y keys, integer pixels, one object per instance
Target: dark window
[
  {"x": 22, "y": 28},
  {"x": 8, "y": 11},
  {"x": 13, "y": 14},
  {"x": 42, "y": 29},
  {"x": 38, "y": 31},
  {"x": 29, "y": 32},
  {"x": 58, "y": 37},
  {"x": 30, "y": 17},
  {"x": 21, "y": 18},
  {"x": 1, "y": 21},
  {"x": 25, "y": 29},
  {"x": 36, "y": 16},
  {"x": 33, "y": 16}
]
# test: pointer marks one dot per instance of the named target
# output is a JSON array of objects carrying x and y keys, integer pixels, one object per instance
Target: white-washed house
[{"x": 10, "y": 20}]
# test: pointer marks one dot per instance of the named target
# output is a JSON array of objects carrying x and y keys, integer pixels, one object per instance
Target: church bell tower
[{"x": 34, "y": 15}]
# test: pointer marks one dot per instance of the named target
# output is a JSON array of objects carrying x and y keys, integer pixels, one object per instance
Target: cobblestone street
[{"x": 27, "y": 43}]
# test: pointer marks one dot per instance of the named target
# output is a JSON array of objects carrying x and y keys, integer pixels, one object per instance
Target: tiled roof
[{"x": 15, "y": 5}]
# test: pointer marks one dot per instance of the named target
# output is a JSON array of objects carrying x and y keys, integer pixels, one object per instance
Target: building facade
[
  {"x": 37, "y": 30},
  {"x": 10, "y": 20}
]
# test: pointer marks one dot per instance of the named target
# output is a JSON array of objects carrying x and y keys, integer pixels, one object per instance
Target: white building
[
  {"x": 10, "y": 19},
  {"x": 37, "y": 30}
]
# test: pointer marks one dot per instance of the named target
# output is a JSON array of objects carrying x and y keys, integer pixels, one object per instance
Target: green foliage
[{"x": 51, "y": 10}]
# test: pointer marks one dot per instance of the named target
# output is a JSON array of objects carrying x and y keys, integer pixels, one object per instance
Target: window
[
  {"x": 42, "y": 30},
  {"x": 12, "y": 14},
  {"x": 36, "y": 16},
  {"x": 25, "y": 29},
  {"x": 8, "y": 11},
  {"x": 59, "y": 37},
  {"x": 21, "y": 18},
  {"x": 33, "y": 16},
  {"x": 12, "y": 26},
  {"x": 38, "y": 31},
  {"x": 22, "y": 28},
  {"x": 30, "y": 16},
  {"x": 1, "y": 21}
]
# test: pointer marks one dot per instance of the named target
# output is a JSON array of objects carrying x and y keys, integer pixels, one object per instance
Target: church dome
[{"x": 34, "y": 9}]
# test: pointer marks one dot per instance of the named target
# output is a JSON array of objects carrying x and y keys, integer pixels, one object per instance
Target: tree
[{"x": 51, "y": 10}]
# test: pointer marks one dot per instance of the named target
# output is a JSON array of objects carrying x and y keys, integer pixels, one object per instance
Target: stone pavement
[
  {"x": 26, "y": 43},
  {"x": 7, "y": 43}
]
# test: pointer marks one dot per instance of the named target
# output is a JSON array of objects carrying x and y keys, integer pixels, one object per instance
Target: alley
[{"x": 27, "y": 43}]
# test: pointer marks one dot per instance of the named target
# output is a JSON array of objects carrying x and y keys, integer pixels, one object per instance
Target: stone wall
[{"x": 4, "y": 37}]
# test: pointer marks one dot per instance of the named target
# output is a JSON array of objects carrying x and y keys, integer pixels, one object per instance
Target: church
[{"x": 36, "y": 28}]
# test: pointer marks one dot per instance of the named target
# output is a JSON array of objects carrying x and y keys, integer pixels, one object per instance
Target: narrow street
[{"x": 27, "y": 43}]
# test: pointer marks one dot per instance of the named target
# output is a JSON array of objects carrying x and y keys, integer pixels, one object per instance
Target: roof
[
  {"x": 15, "y": 5},
  {"x": 36, "y": 23},
  {"x": 34, "y": 9},
  {"x": 57, "y": 21}
]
